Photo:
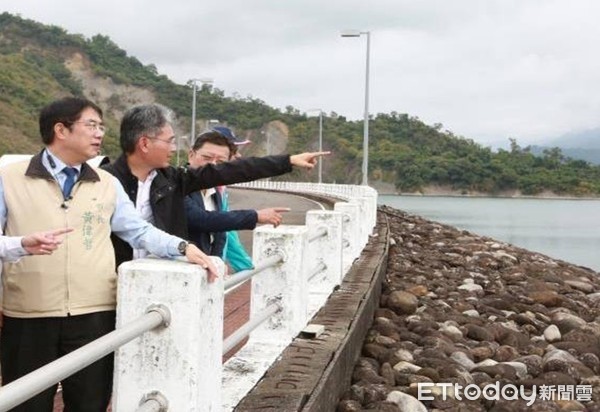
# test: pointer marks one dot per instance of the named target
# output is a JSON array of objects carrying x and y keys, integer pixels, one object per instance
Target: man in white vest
[{"x": 55, "y": 304}]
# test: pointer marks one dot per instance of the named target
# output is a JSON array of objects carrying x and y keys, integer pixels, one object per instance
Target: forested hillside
[{"x": 39, "y": 63}]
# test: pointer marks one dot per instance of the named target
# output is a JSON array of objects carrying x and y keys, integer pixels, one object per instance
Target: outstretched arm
[
  {"x": 307, "y": 160},
  {"x": 245, "y": 170},
  {"x": 201, "y": 220}
]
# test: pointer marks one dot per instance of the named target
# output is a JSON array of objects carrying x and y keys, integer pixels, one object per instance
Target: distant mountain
[
  {"x": 587, "y": 139},
  {"x": 584, "y": 145},
  {"x": 39, "y": 63},
  {"x": 589, "y": 155}
]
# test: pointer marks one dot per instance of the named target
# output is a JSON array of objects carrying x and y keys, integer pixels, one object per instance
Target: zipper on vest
[{"x": 65, "y": 207}]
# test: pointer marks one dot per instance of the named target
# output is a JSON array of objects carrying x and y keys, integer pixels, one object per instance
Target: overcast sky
[{"x": 486, "y": 69}]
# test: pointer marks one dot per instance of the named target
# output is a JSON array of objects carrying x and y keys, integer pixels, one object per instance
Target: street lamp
[
  {"x": 193, "y": 132},
  {"x": 365, "y": 164},
  {"x": 320, "y": 141},
  {"x": 210, "y": 123}
]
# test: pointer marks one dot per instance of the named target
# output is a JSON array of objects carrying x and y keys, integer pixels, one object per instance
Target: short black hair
[
  {"x": 66, "y": 111},
  {"x": 215, "y": 138}
]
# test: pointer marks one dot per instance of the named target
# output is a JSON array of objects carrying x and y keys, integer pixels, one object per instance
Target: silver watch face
[{"x": 182, "y": 247}]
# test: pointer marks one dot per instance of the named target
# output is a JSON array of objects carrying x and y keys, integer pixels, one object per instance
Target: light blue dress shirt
[
  {"x": 11, "y": 249},
  {"x": 125, "y": 222}
]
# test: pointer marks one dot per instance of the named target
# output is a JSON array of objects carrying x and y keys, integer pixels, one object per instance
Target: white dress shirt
[{"x": 142, "y": 204}]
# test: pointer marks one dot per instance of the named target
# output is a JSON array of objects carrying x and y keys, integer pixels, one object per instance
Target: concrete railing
[{"x": 178, "y": 366}]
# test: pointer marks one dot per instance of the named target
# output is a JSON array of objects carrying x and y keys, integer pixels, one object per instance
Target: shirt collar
[
  {"x": 209, "y": 192},
  {"x": 56, "y": 165}
]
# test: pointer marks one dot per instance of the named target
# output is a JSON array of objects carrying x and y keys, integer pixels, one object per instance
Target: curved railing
[{"x": 177, "y": 316}]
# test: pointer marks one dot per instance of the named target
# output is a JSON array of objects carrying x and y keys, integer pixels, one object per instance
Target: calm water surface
[{"x": 564, "y": 229}]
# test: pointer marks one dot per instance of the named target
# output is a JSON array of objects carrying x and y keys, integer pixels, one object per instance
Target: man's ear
[
  {"x": 143, "y": 144},
  {"x": 60, "y": 131}
]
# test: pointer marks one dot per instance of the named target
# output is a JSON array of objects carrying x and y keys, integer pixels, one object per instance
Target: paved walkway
[{"x": 260, "y": 199}]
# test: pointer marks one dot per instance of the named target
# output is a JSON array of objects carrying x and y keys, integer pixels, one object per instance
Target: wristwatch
[{"x": 181, "y": 248}]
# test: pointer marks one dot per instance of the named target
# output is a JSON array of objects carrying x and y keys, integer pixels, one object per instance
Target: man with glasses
[
  {"x": 56, "y": 304},
  {"x": 207, "y": 221},
  {"x": 234, "y": 253},
  {"x": 158, "y": 189}
]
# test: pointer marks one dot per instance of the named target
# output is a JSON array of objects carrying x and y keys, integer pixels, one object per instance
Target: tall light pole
[
  {"x": 320, "y": 167},
  {"x": 365, "y": 163},
  {"x": 193, "y": 131}
]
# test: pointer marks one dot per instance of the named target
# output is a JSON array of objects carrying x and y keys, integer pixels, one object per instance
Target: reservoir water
[{"x": 564, "y": 229}]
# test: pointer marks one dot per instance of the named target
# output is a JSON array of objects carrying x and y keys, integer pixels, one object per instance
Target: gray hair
[{"x": 143, "y": 120}]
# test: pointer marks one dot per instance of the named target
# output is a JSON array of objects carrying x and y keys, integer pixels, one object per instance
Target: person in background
[
  {"x": 158, "y": 189},
  {"x": 207, "y": 222},
  {"x": 236, "y": 141},
  {"x": 56, "y": 304},
  {"x": 235, "y": 254}
]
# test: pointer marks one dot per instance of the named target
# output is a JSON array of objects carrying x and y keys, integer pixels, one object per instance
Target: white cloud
[{"x": 487, "y": 70}]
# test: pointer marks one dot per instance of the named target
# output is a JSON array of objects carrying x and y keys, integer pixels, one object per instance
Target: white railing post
[
  {"x": 183, "y": 360},
  {"x": 326, "y": 249},
  {"x": 364, "y": 221},
  {"x": 350, "y": 231},
  {"x": 372, "y": 195},
  {"x": 283, "y": 284}
]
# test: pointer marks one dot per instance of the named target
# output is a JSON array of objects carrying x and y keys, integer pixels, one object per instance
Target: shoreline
[
  {"x": 490, "y": 196},
  {"x": 438, "y": 191}
]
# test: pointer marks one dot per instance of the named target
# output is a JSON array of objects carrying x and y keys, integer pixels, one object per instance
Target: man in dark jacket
[
  {"x": 158, "y": 190},
  {"x": 207, "y": 222}
]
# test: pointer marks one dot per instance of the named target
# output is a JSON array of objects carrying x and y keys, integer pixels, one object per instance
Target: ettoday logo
[{"x": 509, "y": 392}]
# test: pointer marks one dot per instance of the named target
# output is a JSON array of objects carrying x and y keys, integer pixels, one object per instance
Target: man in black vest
[{"x": 158, "y": 189}]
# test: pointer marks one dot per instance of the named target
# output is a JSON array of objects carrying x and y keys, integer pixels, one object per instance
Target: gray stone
[
  {"x": 567, "y": 322},
  {"x": 579, "y": 285},
  {"x": 406, "y": 402},
  {"x": 406, "y": 367},
  {"x": 552, "y": 334},
  {"x": 403, "y": 303},
  {"x": 463, "y": 360},
  {"x": 404, "y": 355},
  {"x": 387, "y": 373}
]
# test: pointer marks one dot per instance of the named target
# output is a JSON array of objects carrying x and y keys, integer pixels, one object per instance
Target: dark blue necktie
[{"x": 71, "y": 172}]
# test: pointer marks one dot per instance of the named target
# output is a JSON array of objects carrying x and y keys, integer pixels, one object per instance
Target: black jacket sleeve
[{"x": 241, "y": 170}]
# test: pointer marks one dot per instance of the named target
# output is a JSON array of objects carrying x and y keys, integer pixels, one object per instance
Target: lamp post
[
  {"x": 210, "y": 123},
  {"x": 193, "y": 131},
  {"x": 320, "y": 167},
  {"x": 365, "y": 163}
]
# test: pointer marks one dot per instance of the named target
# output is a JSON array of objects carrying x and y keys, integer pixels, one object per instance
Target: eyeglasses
[
  {"x": 171, "y": 141},
  {"x": 93, "y": 125}
]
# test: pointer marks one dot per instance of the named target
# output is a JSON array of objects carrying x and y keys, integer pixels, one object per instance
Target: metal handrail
[
  {"x": 259, "y": 267},
  {"x": 320, "y": 232},
  {"x": 239, "y": 335},
  {"x": 35, "y": 382},
  {"x": 320, "y": 267}
]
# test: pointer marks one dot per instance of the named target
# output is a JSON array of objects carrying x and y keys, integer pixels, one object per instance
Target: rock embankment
[{"x": 461, "y": 309}]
